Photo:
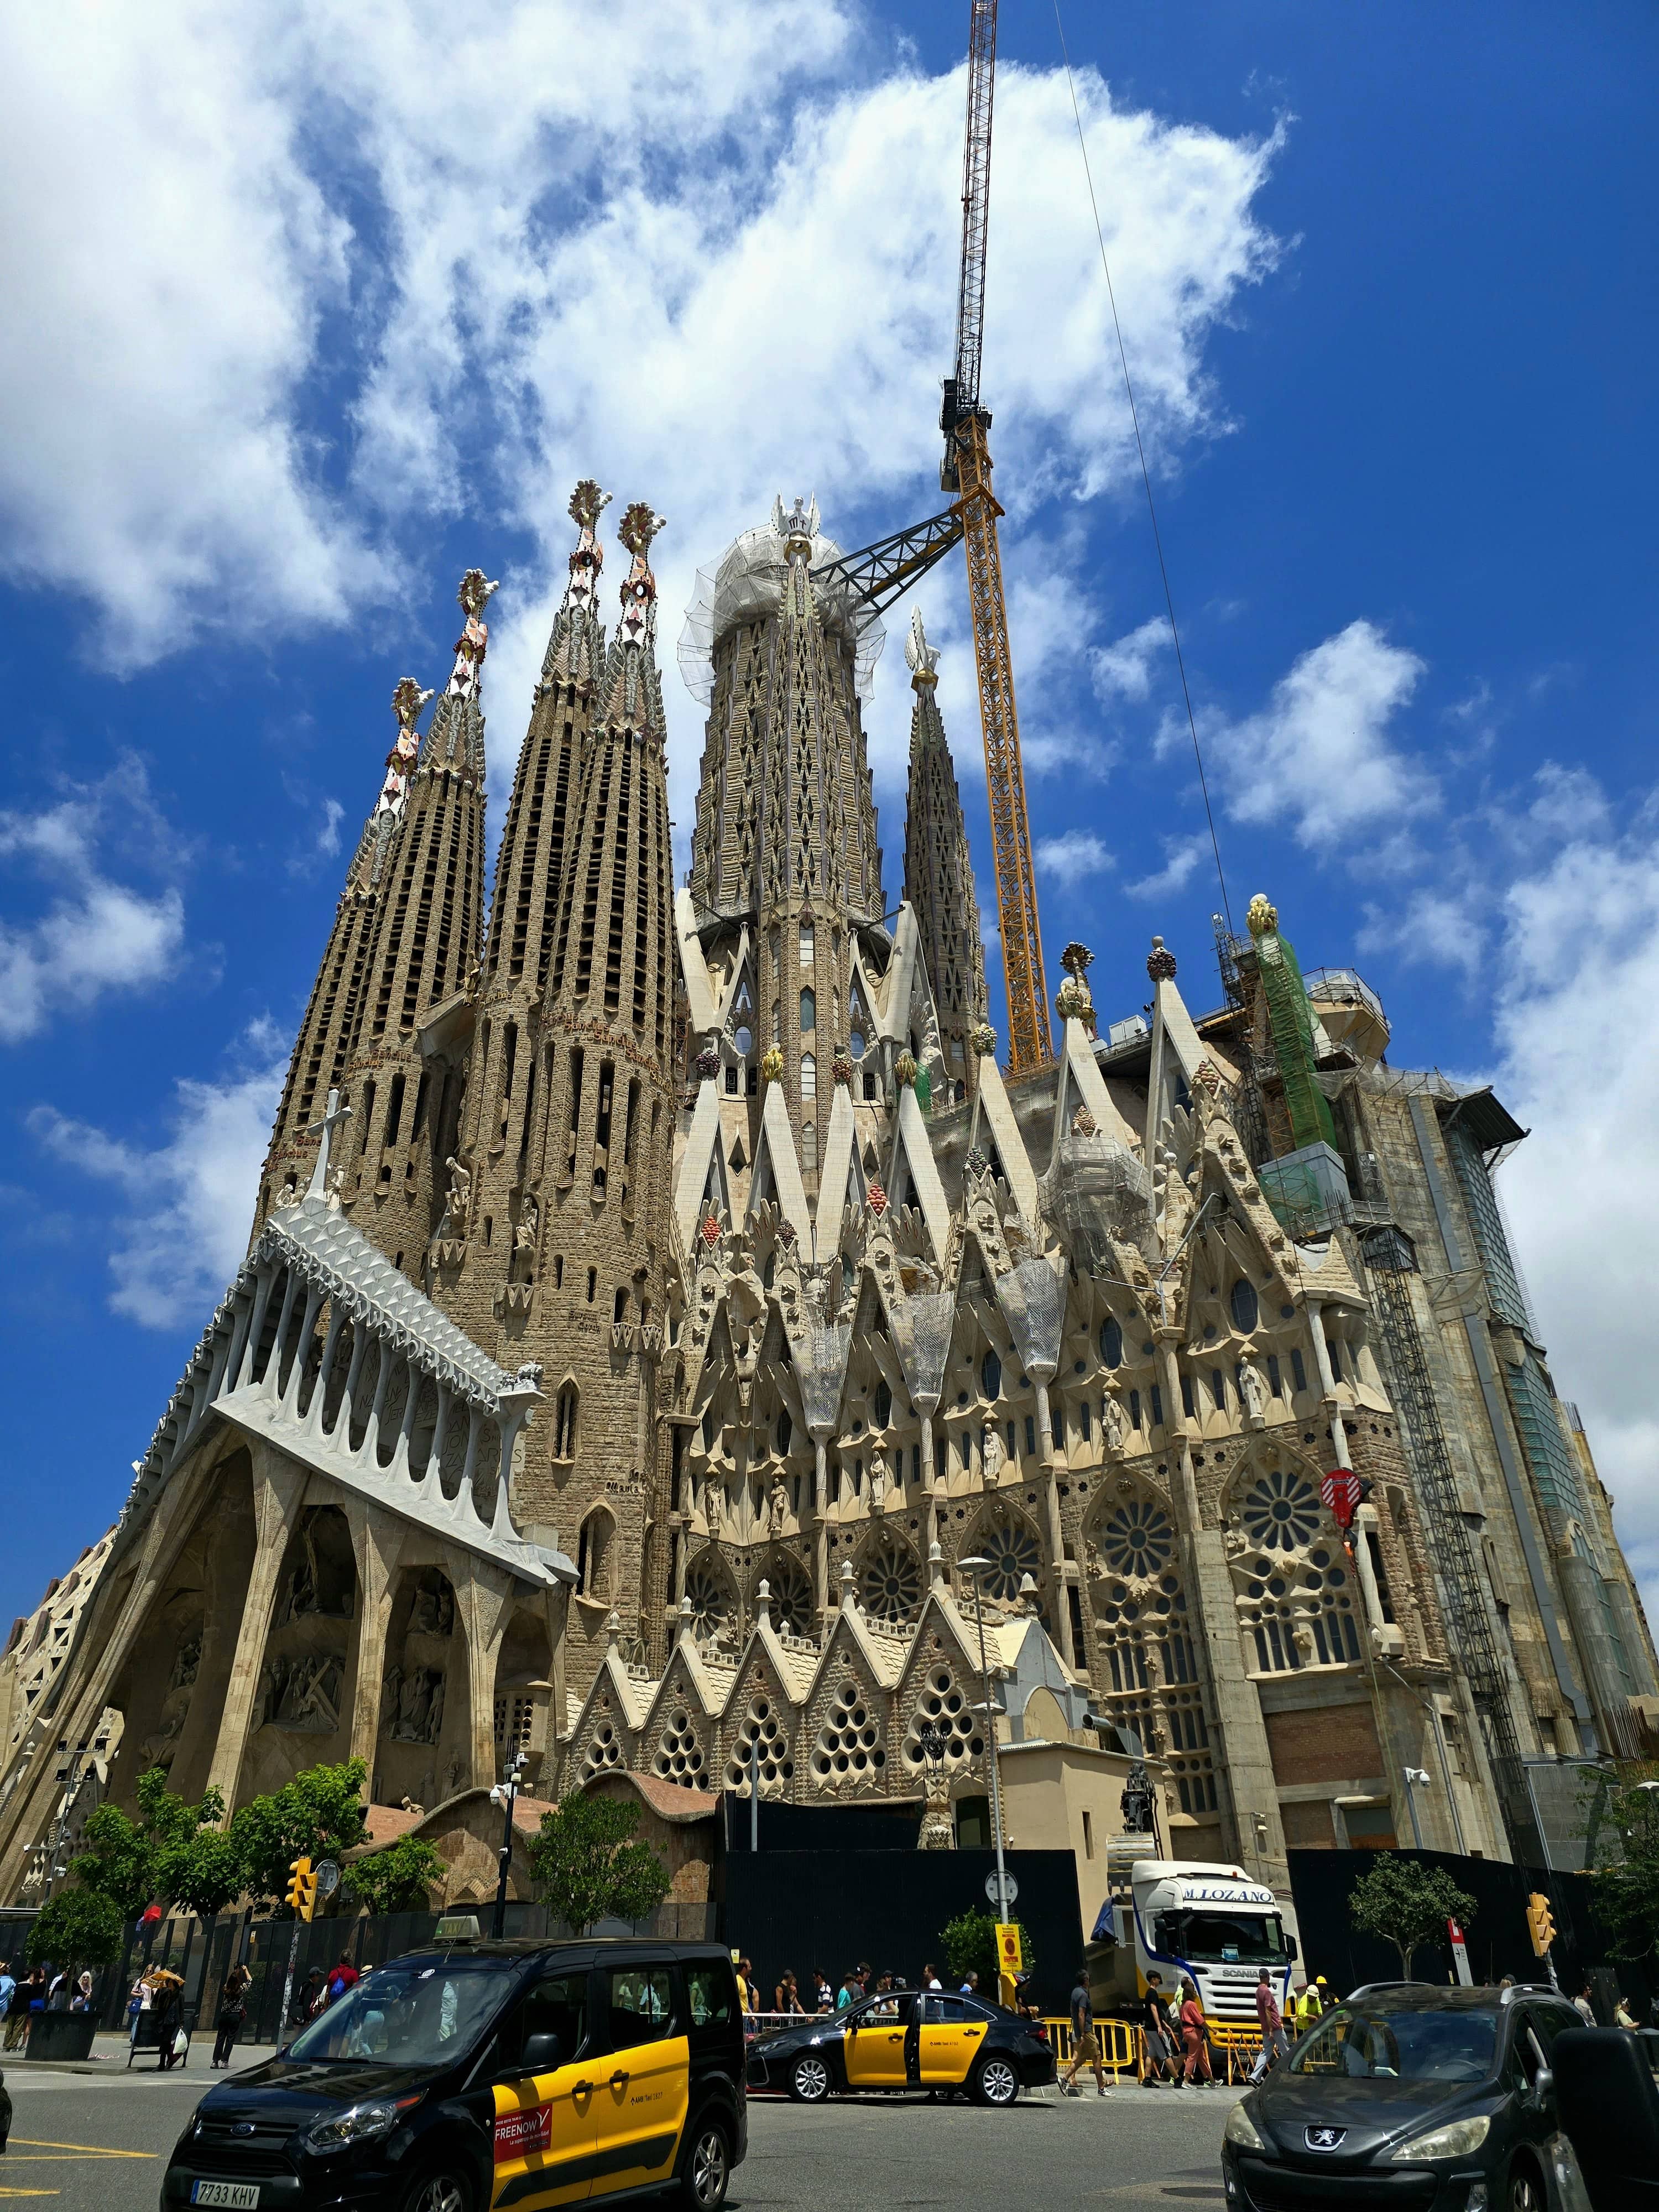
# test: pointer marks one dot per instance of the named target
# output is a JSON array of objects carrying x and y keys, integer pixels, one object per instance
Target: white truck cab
[{"x": 1211, "y": 1921}]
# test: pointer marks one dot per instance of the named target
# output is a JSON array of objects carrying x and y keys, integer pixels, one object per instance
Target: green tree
[
  {"x": 78, "y": 1928},
  {"x": 201, "y": 1872},
  {"x": 396, "y": 1880},
  {"x": 317, "y": 1815},
  {"x": 590, "y": 1866},
  {"x": 1628, "y": 1894},
  {"x": 1408, "y": 1904},
  {"x": 134, "y": 1864},
  {"x": 971, "y": 1940}
]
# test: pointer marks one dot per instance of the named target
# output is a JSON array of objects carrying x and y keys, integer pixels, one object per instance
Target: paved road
[{"x": 98, "y": 2142}]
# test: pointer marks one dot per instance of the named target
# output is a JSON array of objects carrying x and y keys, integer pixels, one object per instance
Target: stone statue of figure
[
  {"x": 458, "y": 1202},
  {"x": 434, "y": 1719},
  {"x": 713, "y": 1500},
  {"x": 524, "y": 1235},
  {"x": 1252, "y": 1390},
  {"x": 877, "y": 1479},
  {"x": 474, "y": 641},
  {"x": 991, "y": 1454},
  {"x": 1114, "y": 1426},
  {"x": 778, "y": 1502}
]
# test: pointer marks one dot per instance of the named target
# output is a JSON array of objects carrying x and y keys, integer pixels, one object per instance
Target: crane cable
[{"x": 1145, "y": 474}]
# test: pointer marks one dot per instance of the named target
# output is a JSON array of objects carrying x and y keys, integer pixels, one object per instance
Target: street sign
[
  {"x": 328, "y": 1877},
  {"x": 1460, "y": 1951},
  {"x": 1010, "y": 1952},
  {"x": 1340, "y": 1491},
  {"x": 1008, "y": 1883}
]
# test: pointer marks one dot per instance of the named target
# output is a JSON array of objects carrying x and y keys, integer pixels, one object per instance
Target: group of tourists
[
  {"x": 45, "y": 1988},
  {"x": 794, "y": 1999},
  {"x": 1175, "y": 2032}
]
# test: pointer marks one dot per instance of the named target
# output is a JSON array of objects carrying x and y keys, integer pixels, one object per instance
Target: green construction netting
[{"x": 1291, "y": 1021}]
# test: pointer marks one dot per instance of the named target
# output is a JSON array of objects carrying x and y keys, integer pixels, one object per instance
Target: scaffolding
[
  {"x": 1244, "y": 1099},
  {"x": 1390, "y": 1261}
]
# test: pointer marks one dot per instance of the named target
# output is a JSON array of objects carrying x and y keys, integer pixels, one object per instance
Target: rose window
[
  {"x": 603, "y": 1752},
  {"x": 1013, "y": 1554},
  {"x": 712, "y": 1611},
  {"x": 679, "y": 1755},
  {"x": 848, "y": 1748},
  {"x": 948, "y": 1709},
  {"x": 790, "y": 1594},
  {"x": 762, "y": 1727},
  {"x": 1282, "y": 1512},
  {"x": 890, "y": 1587},
  {"x": 1137, "y": 1539}
]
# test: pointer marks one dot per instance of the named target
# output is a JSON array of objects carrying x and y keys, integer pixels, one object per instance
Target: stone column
[
  {"x": 821, "y": 1520},
  {"x": 376, "y": 1541},
  {"x": 278, "y": 1488},
  {"x": 482, "y": 1597},
  {"x": 930, "y": 1531}
]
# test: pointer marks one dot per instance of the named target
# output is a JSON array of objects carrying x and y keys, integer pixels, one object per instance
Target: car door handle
[
  {"x": 618, "y": 2080},
  {"x": 582, "y": 2089}
]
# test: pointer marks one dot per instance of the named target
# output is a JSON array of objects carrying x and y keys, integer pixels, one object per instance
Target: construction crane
[{"x": 877, "y": 574}]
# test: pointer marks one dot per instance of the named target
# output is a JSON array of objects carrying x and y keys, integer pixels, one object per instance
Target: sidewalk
[{"x": 109, "y": 2055}]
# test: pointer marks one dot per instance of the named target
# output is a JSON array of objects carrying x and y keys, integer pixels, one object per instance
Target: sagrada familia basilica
[{"x": 668, "y": 1339}]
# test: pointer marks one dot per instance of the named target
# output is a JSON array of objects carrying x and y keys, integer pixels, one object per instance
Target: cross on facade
[{"x": 318, "y": 1187}]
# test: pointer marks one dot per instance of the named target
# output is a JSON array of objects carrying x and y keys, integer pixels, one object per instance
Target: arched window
[
  {"x": 809, "y": 1076},
  {"x": 990, "y": 1375},
  {"x": 743, "y": 1039},
  {"x": 593, "y": 1557},
  {"x": 1111, "y": 1342},
  {"x": 806, "y": 944},
  {"x": 619, "y": 1305},
  {"x": 882, "y": 1404},
  {"x": 1244, "y": 1305},
  {"x": 564, "y": 1422},
  {"x": 808, "y": 1011}
]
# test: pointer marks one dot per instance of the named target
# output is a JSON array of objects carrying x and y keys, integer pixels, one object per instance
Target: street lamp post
[
  {"x": 973, "y": 1568},
  {"x": 1417, "y": 1777},
  {"x": 505, "y": 1794}
]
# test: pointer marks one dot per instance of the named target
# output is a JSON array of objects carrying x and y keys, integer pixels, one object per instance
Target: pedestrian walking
[
  {"x": 81, "y": 2001},
  {"x": 8, "y": 1987},
  {"x": 1309, "y": 2005},
  {"x": 308, "y": 1999},
  {"x": 748, "y": 1994},
  {"x": 1086, "y": 2050},
  {"x": 1622, "y": 2015},
  {"x": 851, "y": 1990},
  {"x": 170, "y": 2009},
  {"x": 1275, "y": 2043},
  {"x": 1195, "y": 2036},
  {"x": 29, "y": 1996},
  {"x": 1583, "y": 2007},
  {"x": 342, "y": 1977},
  {"x": 233, "y": 2011},
  {"x": 1158, "y": 2036},
  {"x": 824, "y": 1995},
  {"x": 970, "y": 1983},
  {"x": 785, "y": 1998},
  {"x": 930, "y": 1979}
]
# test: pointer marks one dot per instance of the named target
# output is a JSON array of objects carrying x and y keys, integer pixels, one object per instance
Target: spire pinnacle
[
  {"x": 333, "y": 1112},
  {"x": 587, "y": 503},
  {"x": 638, "y": 526},
  {"x": 407, "y": 701},
  {"x": 472, "y": 596},
  {"x": 922, "y": 657}
]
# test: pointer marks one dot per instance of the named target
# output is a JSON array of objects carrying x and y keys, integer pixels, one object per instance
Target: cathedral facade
[{"x": 669, "y": 1343}]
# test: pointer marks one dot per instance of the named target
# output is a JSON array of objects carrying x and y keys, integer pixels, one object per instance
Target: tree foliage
[
  {"x": 971, "y": 1940},
  {"x": 317, "y": 1815},
  {"x": 78, "y": 1928},
  {"x": 136, "y": 1863},
  {"x": 396, "y": 1880},
  {"x": 589, "y": 1866},
  {"x": 1628, "y": 1894},
  {"x": 1408, "y": 1904}
]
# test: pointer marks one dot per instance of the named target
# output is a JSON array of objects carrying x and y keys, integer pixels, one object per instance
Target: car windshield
[
  {"x": 415, "y": 2012},
  {"x": 1252, "y": 1939},
  {"x": 1379, "y": 2044}
]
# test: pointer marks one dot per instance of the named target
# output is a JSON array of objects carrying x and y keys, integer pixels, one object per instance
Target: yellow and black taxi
[
  {"x": 905, "y": 2040},
  {"x": 483, "y": 2074}
]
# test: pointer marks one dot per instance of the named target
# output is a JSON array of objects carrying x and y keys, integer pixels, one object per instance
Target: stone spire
[
  {"x": 939, "y": 874},
  {"x": 406, "y": 1068},
  {"x": 330, "y": 1028},
  {"x": 559, "y": 1248}
]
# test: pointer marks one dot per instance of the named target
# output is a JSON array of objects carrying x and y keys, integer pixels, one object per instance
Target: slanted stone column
[
  {"x": 482, "y": 1596},
  {"x": 279, "y": 1486},
  {"x": 376, "y": 1543}
]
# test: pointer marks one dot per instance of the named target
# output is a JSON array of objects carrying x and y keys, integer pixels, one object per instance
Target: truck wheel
[
  {"x": 995, "y": 2081},
  {"x": 809, "y": 2080}
]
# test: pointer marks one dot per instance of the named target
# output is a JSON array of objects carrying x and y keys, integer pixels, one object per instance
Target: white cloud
[
  {"x": 96, "y": 936},
  {"x": 1073, "y": 858},
  {"x": 1432, "y": 926},
  {"x": 1124, "y": 671},
  {"x": 1579, "y": 969},
  {"x": 192, "y": 1196},
  {"x": 324, "y": 844},
  {"x": 1324, "y": 757},
  {"x": 1181, "y": 856},
  {"x": 280, "y": 306}
]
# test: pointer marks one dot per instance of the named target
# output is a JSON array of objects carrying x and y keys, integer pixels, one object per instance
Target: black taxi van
[{"x": 476, "y": 2075}]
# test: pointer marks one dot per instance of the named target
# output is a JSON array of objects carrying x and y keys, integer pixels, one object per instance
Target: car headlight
[
  {"x": 358, "y": 2124},
  {"x": 1241, "y": 2130},
  {"x": 1456, "y": 2139}
]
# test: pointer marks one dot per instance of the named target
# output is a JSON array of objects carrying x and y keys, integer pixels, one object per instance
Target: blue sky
[{"x": 311, "y": 309}]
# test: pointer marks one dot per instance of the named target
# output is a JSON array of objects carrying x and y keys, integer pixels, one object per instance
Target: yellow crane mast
[{"x": 966, "y": 470}]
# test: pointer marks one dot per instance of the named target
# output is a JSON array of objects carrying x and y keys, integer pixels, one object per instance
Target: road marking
[
  {"x": 4, "y": 2192},
  {"x": 92, "y": 2150}
]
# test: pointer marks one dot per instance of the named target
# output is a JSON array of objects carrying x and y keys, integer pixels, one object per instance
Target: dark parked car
[
  {"x": 1429, "y": 2099},
  {"x": 509, "y": 2074},
  {"x": 905, "y": 2040}
]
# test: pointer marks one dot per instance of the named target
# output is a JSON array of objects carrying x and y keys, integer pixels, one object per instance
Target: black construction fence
[
  {"x": 829, "y": 1887},
  {"x": 1497, "y": 1937}
]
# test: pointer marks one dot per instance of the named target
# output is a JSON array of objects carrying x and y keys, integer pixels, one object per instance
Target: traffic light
[
  {"x": 1540, "y": 1924},
  {"x": 302, "y": 1889}
]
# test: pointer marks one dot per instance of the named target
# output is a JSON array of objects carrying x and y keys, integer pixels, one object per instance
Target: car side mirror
[
  {"x": 540, "y": 2054},
  {"x": 1290, "y": 1950},
  {"x": 1543, "y": 2085}
]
